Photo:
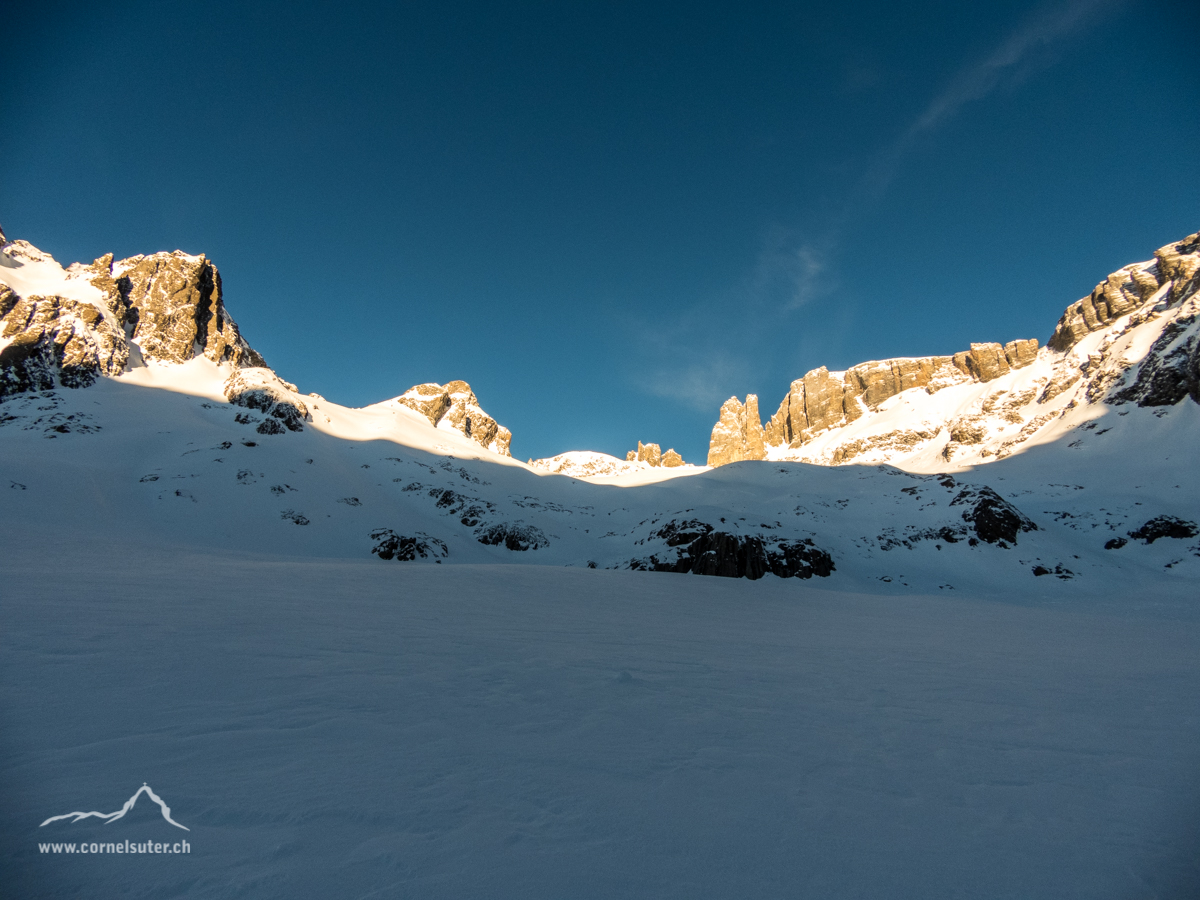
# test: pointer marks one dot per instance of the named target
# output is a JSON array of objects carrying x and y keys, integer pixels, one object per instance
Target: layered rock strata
[
  {"x": 1127, "y": 289},
  {"x": 822, "y": 400},
  {"x": 1148, "y": 353},
  {"x": 454, "y": 406}
]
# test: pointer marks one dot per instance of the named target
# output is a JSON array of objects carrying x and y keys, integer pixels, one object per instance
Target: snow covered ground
[
  {"x": 363, "y": 656},
  {"x": 346, "y": 728}
]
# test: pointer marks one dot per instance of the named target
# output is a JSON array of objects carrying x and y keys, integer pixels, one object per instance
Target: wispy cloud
[
  {"x": 794, "y": 268},
  {"x": 809, "y": 263},
  {"x": 789, "y": 271},
  {"x": 1007, "y": 63},
  {"x": 699, "y": 386}
]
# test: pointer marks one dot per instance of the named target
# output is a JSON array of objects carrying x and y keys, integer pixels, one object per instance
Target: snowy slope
[
  {"x": 161, "y": 453},
  {"x": 343, "y": 728},
  {"x": 361, "y": 655}
]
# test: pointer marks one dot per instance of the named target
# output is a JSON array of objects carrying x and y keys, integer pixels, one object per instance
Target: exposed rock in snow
[
  {"x": 389, "y": 545},
  {"x": 651, "y": 454},
  {"x": 455, "y": 406},
  {"x": 670, "y": 459},
  {"x": 262, "y": 390},
  {"x": 586, "y": 464},
  {"x": 430, "y": 400},
  {"x": 1165, "y": 527},
  {"x": 70, "y": 326},
  {"x": 176, "y": 307},
  {"x": 824, "y": 400},
  {"x": 1134, "y": 339},
  {"x": 719, "y": 553}
]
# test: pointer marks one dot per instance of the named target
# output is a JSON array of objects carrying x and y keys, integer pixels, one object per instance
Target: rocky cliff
[
  {"x": 738, "y": 434},
  {"x": 70, "y": 326},
  {"x": 455, "y": 406},
  {"x": 652, "y": 455},
  {"x": 1133, "y": 339}
]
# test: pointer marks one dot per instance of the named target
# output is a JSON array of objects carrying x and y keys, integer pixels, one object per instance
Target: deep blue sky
[{"x": 608, "y": 218}]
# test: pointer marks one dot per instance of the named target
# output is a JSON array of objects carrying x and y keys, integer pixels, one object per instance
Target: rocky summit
[
  {"x": 985, "y": 402},
  {"x": 652, "y": 455},
  {"x": 738, "y": 434},
  {"x": 69, "y": 327},
  {"x": 455, "y": 405}
]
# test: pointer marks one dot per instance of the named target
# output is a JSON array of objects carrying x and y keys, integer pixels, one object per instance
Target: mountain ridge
[
  {"x": 1147, "y": 352},
  {"x": 213, "y": 453}
]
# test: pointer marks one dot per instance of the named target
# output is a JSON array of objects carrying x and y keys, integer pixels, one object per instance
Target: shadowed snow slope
[
  {"x": 362, "y": 655},
  {"x": 1084, "y": 445},
  {"x": 346, "y": 728}
]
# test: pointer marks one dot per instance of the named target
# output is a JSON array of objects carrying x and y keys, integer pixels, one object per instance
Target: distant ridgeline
[
  {"x": 70, "y": 327},
  {"x": 1132, "y": 340},
  {"x": 835, "y": 417}
]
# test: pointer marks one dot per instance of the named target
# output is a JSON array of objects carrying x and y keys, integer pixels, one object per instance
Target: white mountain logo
[{"x": 113, "y": 816}]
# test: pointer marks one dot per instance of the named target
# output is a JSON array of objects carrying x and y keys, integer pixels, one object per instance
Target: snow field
[{"x": 346, "y": 728}]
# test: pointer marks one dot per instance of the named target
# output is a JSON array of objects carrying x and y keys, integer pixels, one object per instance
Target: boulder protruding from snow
[
  {"x": 262, "y": 390},
  {"x": 455, "y": 406}
]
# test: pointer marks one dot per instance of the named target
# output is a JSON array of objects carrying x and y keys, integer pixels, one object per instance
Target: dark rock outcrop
[
  {"x": 1170, "y": 371},
  {"x": 1165, "y": 527},
  {"x": 991, "y": 517},
  {"x": 261, "y": 390},
  {"x": 719, "y": 553},
  {"x": 513, "y": 536},
  {"x": 56, "y": 340},
  {"x": 389, "y": 545}
]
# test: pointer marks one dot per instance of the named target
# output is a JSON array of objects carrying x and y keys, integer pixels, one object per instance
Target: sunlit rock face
[
  {"x": 738, "y": 434},
  {"x": 653, "y": 455},
  {"x": 176, "y": 305},
  {"x": 455, "y": 406},
  {"x": 1132, "y": 340},
  {"x": 70, "y": 326}
]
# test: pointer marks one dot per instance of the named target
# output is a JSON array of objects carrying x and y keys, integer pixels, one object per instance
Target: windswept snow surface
[
  {"x": 226, "y": 615},
  {"x": 346, "y": 728}
]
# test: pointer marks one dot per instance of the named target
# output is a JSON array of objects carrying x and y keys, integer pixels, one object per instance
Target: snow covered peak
[
  {"x": 454, "y": 407},
  {"x": 71, "y": 326}
]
